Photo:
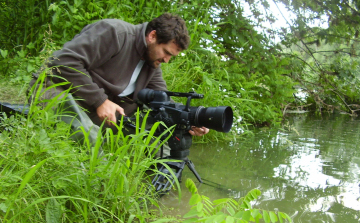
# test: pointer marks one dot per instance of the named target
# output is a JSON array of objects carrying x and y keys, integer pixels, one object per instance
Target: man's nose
[{"x": 167, "y": 58}]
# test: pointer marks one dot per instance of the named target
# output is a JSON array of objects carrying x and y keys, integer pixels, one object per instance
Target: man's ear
[{"x": 151, "y": 37}]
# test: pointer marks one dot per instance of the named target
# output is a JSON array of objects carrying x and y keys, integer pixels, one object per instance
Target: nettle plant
[{"x": 227, "y": 209}]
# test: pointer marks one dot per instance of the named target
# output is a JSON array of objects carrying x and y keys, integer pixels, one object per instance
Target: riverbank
[
  {"x": 12, "y": 93},
  {"x": 65, "y": 179}
]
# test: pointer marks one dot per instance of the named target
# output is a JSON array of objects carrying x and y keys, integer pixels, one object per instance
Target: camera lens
[{"x": 217, "y": 118}]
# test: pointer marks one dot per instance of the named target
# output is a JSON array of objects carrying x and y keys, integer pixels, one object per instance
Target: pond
[{"x": 310, "y": 169}]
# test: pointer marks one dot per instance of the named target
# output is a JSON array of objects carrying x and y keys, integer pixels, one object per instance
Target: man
[{"x": 110, "y": 61}]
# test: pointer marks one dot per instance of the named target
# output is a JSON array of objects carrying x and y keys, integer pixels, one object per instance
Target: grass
[
  {"x": 45, "y": 176},
  {"x": 12, "y": 93}
]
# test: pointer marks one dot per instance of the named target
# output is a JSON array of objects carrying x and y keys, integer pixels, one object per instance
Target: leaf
[
  {"x": 207, "y": 80},
  {"x": 280, "y": 217},
  {"x": 30, "y": 68},
  {"x": 255, "y": 212},
  {"x": 273, "y": 217},
  {"x": 255, "y": 193},
  {"x": 78, "y": 17},
  {"x": 246, "y": 216},
  {"x": 258, "y": 217},
  {"x": 30, "y": 46},
  {"x": 190, "y": 185},
  {"x": 239, "y": 214},
  {"x": 231, "y": 210},
  {"x": 190, "y": 220},
  {"x": 210, "y": 219},
  {"x": 220, "y": 201},
  {"x": 195, "y": 198},
  {"x": 21, "y": 53},
  {"x": 28, "y": 176},
  {"x": 3, "y": 207},
  {"x": 191, "y": 213},
  {"x": 285, "y": 216},
  {"x": 219, "y": 217},
  {"x": 53, "y": 211},
  {"x": 199, "y": 207},
  {"x": 274, "y": 58},
  {"x": 245, "y": 204},
  {"x": 229, "y": 219},
  {"x": 4, "y": 53},
  {"x": 111, "y": 11},
  {"x": 266, "y": 216}
]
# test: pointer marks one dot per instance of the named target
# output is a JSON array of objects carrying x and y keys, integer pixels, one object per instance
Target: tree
[{"x": 323, "y": 42}]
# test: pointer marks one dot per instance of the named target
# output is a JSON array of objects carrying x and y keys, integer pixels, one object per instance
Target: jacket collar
[{"x": 140, "y": 39}]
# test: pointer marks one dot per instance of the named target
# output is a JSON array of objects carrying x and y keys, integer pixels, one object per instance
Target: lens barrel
[{"x": 217, "y": 118}]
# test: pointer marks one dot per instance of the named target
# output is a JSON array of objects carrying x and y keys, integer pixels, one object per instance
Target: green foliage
[
  {"x": 228, "y": 61},
  {"x": 23, "y": 24},
  {"x": 228, "y": 209},
  {"x": 226, "y": 52},
  {"x": 322, "y": 41},
  {"x": 234, "y": 66},
  {"x": 19, "y": 67},
  {"x": 69, "y": 17},
  {"x": 45, "y": 175}
]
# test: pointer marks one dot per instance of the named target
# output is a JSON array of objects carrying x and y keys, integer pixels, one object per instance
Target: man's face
[{"x": 159, "y": 53}]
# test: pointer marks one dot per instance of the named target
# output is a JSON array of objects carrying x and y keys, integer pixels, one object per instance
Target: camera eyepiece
[{"x": 146, "y": 95}]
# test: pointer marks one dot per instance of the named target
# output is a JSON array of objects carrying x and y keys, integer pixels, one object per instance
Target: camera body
[{"x": 184, "y": 117}]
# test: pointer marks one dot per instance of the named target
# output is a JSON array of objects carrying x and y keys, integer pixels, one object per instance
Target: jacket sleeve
[{"x": 95, "y": 45}]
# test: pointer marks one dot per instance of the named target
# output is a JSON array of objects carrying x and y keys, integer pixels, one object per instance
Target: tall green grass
[{"x": 47, "y": 177}]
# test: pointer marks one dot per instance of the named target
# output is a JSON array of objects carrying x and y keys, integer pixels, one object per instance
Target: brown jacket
[{"x": 99, "y": 63}]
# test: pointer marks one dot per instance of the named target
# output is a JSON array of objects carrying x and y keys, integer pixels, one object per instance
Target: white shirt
[{"x": 131, "y": 86}]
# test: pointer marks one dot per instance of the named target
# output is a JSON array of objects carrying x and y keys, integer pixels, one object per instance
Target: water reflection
[{"x": 312, "y": 172}]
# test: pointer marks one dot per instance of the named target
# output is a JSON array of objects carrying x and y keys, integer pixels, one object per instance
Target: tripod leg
[
  {"x": 192, "y": 168},
  {"x": 163, "y": 184},
  {"x": 162, "y": 151}
]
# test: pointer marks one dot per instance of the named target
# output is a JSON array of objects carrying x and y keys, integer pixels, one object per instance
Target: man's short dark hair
[{"x": 169, "y": 27}]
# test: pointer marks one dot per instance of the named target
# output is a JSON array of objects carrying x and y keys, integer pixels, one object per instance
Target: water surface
[{"x": 310, "y": 169}]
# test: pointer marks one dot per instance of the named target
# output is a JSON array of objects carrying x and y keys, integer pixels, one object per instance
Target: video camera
[{"x": 183, "y": 117}]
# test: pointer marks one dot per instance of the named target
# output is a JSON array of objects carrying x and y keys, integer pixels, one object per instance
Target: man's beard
[{"x": 148, "y": 59}]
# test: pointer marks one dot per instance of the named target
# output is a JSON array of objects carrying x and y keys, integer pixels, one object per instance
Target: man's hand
[
  {"x": 196, "y": 131},
  {"x": 108, "y": 111}
]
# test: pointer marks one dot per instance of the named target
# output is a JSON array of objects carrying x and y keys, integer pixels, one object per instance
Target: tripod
[
  {"x": 179, "y": 142},
  {"x": 163, "y": 182}
]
